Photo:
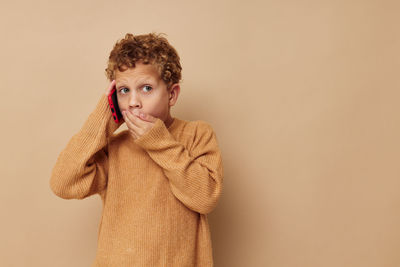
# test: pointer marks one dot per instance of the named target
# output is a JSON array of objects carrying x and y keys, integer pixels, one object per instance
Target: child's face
[{"x": 142, "y": 88}]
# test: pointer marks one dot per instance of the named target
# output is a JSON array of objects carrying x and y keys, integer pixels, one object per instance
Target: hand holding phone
[{"x": 111, "y": 93}]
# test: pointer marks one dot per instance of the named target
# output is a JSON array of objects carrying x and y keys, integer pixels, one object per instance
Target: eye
[
  {"x": 148, "y": 87},
  {"x": 122, "y": 89}
]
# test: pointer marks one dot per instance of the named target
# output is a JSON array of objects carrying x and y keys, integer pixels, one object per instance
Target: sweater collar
[{"x": 174, "y": 123}]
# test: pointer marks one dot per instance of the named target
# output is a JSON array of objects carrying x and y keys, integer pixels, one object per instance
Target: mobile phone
[{"x": 113, "y": 103}]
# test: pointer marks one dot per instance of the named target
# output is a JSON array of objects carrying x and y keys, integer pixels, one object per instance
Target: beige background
[{"x": 303, "y": 95}]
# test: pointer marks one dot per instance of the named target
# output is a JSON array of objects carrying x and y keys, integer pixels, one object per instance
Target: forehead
[{"x": 141, "y": 72}]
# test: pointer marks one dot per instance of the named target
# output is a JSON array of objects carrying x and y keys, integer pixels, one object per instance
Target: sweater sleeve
[
  {"x": 81, "y": 168},
  {"x": 195, "y": 176}
]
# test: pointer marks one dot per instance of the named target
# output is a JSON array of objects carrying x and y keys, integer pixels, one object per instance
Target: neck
[{"x": 169, "y": 121}]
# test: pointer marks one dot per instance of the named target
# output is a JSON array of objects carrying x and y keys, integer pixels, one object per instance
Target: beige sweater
[{"x": 156, "y": 190}]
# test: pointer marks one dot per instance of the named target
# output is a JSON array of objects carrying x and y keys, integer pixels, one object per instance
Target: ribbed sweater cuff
[{"x": 151, "y": 139}]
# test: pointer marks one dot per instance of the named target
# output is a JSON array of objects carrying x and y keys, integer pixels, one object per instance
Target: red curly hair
[{"x": 149, "y": 48}]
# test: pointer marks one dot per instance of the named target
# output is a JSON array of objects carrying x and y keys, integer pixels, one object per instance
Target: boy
[{"x": 159, "y": 179}]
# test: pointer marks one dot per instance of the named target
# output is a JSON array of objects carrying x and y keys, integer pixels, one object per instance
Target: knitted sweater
[{"x": 156, "y": 190}]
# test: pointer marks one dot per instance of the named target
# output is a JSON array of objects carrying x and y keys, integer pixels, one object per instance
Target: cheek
[
  {"x": 121, "y": 104},
  {"x": 155, "y": 110}
]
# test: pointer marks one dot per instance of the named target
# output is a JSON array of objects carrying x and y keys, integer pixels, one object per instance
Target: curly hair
[{"x": 149, "y": 48}]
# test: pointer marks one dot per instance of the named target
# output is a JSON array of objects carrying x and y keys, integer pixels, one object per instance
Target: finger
[
  {"x": 110, "y": 87},
  {"x": 126, "y": 119},
  {"x": 135, "y": 118},
  {"x": 130, "y": 120},
  {"x": 147, "y": 117}
]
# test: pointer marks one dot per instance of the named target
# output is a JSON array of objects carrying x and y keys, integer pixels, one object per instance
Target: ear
[{"x": 173, "y": 93}]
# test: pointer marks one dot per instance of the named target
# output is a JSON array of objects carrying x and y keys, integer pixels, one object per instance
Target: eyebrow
[
  {"x": 147, "y": 79},
  {"x": 141, "y": 81}
]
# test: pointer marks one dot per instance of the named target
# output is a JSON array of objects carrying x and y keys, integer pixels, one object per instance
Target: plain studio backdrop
[{"x": 303, "y": 96}]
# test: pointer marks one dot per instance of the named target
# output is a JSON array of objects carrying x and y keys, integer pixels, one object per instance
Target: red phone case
[{"x": 113, "y": 103}]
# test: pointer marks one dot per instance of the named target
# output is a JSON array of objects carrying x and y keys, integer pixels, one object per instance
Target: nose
[{"x": 134, "y": 100}]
